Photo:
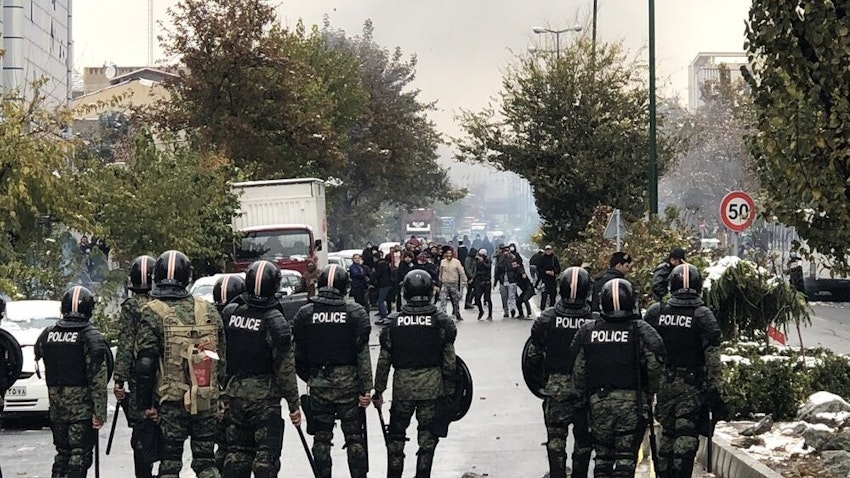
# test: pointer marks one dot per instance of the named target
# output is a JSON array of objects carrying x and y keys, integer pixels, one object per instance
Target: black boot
[
  {"x": 557, "y": 465},
  {"x": 423, "y": 464}
]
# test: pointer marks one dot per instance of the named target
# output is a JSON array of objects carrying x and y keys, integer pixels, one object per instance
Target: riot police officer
[
  {"x": 419, "y": 344},
  {"x": 228, "y": 288},
  {"x": 618, "y": 366},
  {"x": 75, "y": 356},
  {"x": 331, "y": 339},
  {"x": 181, "y": 348},
  {"x": 141, "y": 282},
  {"x": 692, "y": 373},
  {"x": 260, "y": 371},
  {"x": 551, "y": 336}
]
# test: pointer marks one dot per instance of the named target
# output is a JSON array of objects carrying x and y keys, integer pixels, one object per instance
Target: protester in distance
[
  {"x": 619, "y": 265},
  {"x": 384, "y": 283},
  {"x": 452, "y": 280},
  {"x": 662, "y": 272},
  {"x": 404, "y": 267},
  {"x": 525, "y": 289},
  {"x": 548, "y": 268},
  {"x": 470, "y": 263},
  {"x": 359, "y": 273},
  {"x": 500, "y": 274},
  {"x": 310, "y": 277}
]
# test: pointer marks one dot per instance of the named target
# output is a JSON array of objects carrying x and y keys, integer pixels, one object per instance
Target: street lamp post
[
  {"x": 557, "y": 33},
  {"x": 653, "y": 124}
]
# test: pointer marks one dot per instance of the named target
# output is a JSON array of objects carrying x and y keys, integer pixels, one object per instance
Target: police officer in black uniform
[
  {"x": 74, "y": 356},
  {"x": 419, "y": 344},
  {"x": 331, "y": 339},
  {"x": 618, "y": 366},
  {"x": 228, "y": 288},
  {"x": 551, "y": 336},
  {"x": 260, "y": 371},
  {"x": 692, "y": 374}
]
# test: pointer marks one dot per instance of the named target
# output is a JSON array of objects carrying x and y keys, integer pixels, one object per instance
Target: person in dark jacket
[
  {"x": 619, "y": 266},
  {"x": 525, "y": 289},
  {"x": 384, "y": 284},
  {"x": 662, "y": 272},
  {"x": 462, "y": 251},
  {"x": 401, "y": 271},
  {"x": 795, "y": 273},
  {"x": 469, "y": 265},
  {"x": 481, "y": 284},
  {"x": 532, "y": 266},
  {"x": 359, "y": 274},
  {"x": 548, "y": 268}
]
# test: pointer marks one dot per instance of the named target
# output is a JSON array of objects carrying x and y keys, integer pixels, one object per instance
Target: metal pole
[
  {"x": 617, "y": 219},
  {"x": 653, "y": 166},
  {"x": 593, "y": 55},
  {"x": 557, "y": 47}
]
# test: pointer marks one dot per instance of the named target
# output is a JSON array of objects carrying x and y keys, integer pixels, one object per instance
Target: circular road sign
[{"x": 737, "y": 211}]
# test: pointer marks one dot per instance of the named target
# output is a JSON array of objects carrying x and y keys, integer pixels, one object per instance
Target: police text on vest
[
  {"x": 330, "y": 317},
  {"x": 671, "y": 320},
  {"x": 570, "y": 322},
  {"x": 248, "y": 323},
  {"x": 619, "y": 336},
  {"x": 62, "y": 336},
  {"x": 413, "y": 320}
]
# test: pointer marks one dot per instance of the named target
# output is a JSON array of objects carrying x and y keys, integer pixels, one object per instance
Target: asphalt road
[
  {"x": 502, "y": 436},
  {"x": 830, "y": 327}
]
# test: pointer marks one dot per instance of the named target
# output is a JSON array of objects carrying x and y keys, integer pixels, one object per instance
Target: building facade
[
  {"x": 37, "y": 38},
  {"x": 706, "y": 67}
]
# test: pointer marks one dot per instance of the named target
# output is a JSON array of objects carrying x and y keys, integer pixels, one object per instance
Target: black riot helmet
[
  {"x": 226, "y": 288},
  {"x": 575, "y": 286},
  {"x": 418, "y": 286},
  {"x": 333, "y": 278},
  {"x": 685, "y": 281},
  {"x": 262, "y": 281},
  {"x": 617, "y": 298},
  {"x": 172, "y": 269},
  {"x": 141, "y": 274},
  {"x": 77, "y": 303}
]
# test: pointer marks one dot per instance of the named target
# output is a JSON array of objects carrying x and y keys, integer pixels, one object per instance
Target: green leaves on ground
[{"x": 576, "y": 132}]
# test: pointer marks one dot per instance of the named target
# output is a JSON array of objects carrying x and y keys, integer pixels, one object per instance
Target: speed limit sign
[{"x": 737, "y": 211}]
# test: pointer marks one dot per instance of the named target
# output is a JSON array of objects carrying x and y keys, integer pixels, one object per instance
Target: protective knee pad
[{"x": 173, "y": 451}]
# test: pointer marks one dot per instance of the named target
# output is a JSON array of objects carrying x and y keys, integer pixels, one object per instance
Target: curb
[{"x": 730, "y": 462}]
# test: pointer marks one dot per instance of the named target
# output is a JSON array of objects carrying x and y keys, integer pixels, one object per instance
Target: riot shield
[{"x": 534, "y": 374}]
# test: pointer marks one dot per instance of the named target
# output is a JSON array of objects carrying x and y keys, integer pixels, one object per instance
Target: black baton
[
  {"x": 307, "y": 451},
  {"x": 112, "y": 430}
]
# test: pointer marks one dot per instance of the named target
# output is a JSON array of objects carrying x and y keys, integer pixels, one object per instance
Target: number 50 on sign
[{"x": 737, "y": 211}]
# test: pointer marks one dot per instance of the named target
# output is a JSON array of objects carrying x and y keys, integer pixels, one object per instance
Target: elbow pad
[{"x": 145, "y": 375}]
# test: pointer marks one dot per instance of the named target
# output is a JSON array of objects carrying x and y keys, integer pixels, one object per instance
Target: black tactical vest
[
  {"x": 329, "y": 338},
  {"x": 416, "y": 341},
  {"x": 248, "y": 355},
  {"x": 64, "y": 356},
  {"x": 678, "y": 328},
  {"x": 610, "y": 350},
  {"x": 559, "y": 337}
]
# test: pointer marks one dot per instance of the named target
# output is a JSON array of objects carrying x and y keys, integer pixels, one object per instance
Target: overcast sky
[{"x": 462, "y": 45}]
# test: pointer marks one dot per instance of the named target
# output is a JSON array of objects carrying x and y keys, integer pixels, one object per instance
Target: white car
[
  {"x": 290, "y": 281},
  {"x": 25, "y": 320}
]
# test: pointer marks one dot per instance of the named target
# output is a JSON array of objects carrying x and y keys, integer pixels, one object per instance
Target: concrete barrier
[{"x": 731, "y": 462}]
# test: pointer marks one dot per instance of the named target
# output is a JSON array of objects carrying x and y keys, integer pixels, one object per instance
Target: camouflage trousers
[
  {"x": 558, "y": 415},
  {"x": 401, "y": 412},
  {"x": 177, "y": 425},
  {"x": 325, "y": 413},
  {"x": 74, "y": 442},
  {"x": 253, "y": 438},
  {"x": 617, "y": 431},
  {"x": 678, "y": 409}
]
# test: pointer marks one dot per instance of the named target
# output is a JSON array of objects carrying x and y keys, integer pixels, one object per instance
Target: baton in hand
[
  {"x": 307, "y": 451},
  {"x": 112, "y": 429}
]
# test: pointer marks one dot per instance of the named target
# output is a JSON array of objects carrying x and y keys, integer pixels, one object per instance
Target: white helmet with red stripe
[
  {"x": 172, "y": 269},
  {"x": 77, "y": 303}
]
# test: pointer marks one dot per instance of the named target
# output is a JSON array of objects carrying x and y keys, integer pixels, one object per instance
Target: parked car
[
  {"x": 25, "y": 320},
  {"x": 340, "y": 260},
  {"x": 290, "y": 281}
]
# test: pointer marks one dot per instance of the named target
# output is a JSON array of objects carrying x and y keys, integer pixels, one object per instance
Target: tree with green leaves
[
  {"x": 244, "y": 89},
  {"x": 801, "y": 93},
  {"x": 392, "y": 146},
  {"x": 577, "y": 133},
  {"x": 162, "y": 196},
  {"x": 716, "y": 160}
]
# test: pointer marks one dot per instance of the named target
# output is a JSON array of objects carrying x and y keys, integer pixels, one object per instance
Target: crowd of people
[{"x": 462, "y": 275}]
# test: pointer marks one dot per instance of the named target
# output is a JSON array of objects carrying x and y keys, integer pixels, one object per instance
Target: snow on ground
[{"x": 778, "y": 446}]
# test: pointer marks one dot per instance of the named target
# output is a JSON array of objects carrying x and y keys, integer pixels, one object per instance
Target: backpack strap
[
  {"x": 160, "y": 308},
  {"x": 201, "y": 311}
]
